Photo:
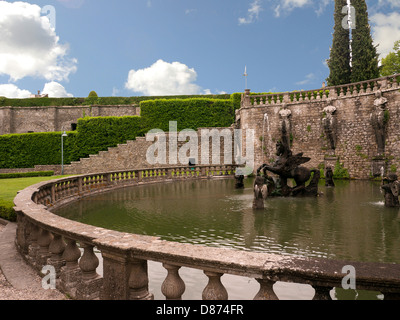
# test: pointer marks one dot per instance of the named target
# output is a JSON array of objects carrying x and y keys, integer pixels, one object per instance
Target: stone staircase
[{"x": 131, "y": 154}]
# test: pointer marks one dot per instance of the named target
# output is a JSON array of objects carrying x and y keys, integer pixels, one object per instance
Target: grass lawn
[{"x": 9, "y": 189}]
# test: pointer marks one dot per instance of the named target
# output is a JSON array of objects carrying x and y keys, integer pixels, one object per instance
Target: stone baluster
[
  {"x": 90, "y": 284},
  {"x": 70, "y": 273},
  {"x": 341, "y": 92},
  {"x": 214, "y": 290},
  {"x": 44, "y": 240},
  {"x": 23, "y": 233},
  {"x": 139, "y": 281},
  {"x": 33, "y": 247},
  {"x": 391, "y": 296},
  {"x": 56, "y": 249},
  {"x": 173, "y": 286},
  {"x": 369, "y": 89},
  {"x": 322, "y": 293},
  {"x": 266, "y": 290}
]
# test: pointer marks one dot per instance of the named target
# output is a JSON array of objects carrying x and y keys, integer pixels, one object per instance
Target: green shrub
[
  {"x": 26, "y": 175},
  {"x": 188, "y": 113},
  {"x": 7, "y": 211},
  {"x": 340, "y": 172},
  {"x": 28, "y": 150},
  {"x": 100, "y": 133}
]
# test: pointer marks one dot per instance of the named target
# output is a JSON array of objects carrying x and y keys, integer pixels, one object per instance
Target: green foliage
[
  {"x": 28, "y": 150},
  {"x": 339, "y": 60},
  {"x": 93, "y": 94},
  {"x": 7, "y": 210},
  {"x": 188, "y": 113},
  {"x": 26, "y": 174},
  {"x": 340, "y": 172},
  {"x": 99, "y": 133},
  {"x": 391, "y": 63},
  {"x": 105, "y": 101},
  {"x": 365, "y": 59}
]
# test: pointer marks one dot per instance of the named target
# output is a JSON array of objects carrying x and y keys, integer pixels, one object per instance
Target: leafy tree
[
  {"x": 93, "y": 94},
  {"x": 391, "y": 63},
  {"x": 365, "y": 59},
  {"x": 339, "y": 60}
]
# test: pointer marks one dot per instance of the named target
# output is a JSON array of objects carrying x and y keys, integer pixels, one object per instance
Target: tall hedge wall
[
  {"x": 30, "y": 149},
  {"x": 105, "y": 101},
  {"x": 100, "y": 133},
  {"x": 189, "y": 113}
]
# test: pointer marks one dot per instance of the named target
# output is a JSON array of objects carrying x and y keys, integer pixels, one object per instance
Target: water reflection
[{"x": 349, "y": 222}]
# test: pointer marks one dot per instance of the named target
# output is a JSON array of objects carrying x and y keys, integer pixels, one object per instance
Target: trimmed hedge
[
  {"x": 7, "y": 211},
  {"x": 188, "y": 113},
  {"x": 100, "y": 133},
  {"x": 106, "y": 101},
  {"x": 26, "y": 175},
  {"x": 96, "y": 134},
  {"x": 28, "y": 150}
]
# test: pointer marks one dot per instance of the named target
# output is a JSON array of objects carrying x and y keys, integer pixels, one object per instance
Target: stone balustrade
[
  {"x": 342, "y": 91},
  {"x": 45, "y": 239}
]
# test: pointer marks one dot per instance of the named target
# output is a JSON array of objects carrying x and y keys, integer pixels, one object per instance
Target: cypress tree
[
  {"x": 365, "y": 59},
  {"x": 339, "y": 60}
]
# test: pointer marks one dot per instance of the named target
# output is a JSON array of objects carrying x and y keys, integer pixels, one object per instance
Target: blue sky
[{"x": 156, "y": 47}]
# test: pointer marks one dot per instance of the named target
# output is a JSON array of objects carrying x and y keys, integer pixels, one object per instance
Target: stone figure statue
[
  {"x": 260, "y": 193},
  {"x": 329, "y": 177},
  {"x": 379, "y": 121},
  {"x": 285, "y": 124},
  {"x": 330, "y": 125},
  {"x": 391, "y": 188},
  {"x": 288, "y": 166},
  {"x": 239, "y": 181}
]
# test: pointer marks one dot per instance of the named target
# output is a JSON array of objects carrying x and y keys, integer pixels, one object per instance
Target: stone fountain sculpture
[
  {"x": 260, "y": 193},
  {"x": 330, "y": 125},
  {"x": 288, "y": 166},
  {"x": 379, "y": 121},
  {"x": 391, "y": 189}
]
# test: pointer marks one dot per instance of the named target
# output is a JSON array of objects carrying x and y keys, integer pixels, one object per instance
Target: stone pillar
[
  {"x": 56, "y": 249},
  {"x": 173, "y": 287},
  {"x": 139, "y": 281},
  {"x": 44, "y": 240},
  {"x": 116, "y": 272},
  {"x": 266, "y": 290},
  {"x": 214, "y": 289},
  {"x": 70, "y": 273},
  {"x": 33, "y": 247},
  {"x": 90, "y": 284}
]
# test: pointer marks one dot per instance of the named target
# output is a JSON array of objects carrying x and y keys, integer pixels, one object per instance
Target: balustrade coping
[
  {"x": 324, "y": 97},
  {"x": 383, "y": 277}
]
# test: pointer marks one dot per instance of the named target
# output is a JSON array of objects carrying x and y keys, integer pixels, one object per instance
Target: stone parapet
[{"x": 125, "y": 256}]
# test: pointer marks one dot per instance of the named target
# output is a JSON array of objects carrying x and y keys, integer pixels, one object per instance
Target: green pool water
[{"x": 348, "y": 222}]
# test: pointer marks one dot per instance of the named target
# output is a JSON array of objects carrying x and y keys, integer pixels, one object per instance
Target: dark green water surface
[{"x": 348, "y": 222}]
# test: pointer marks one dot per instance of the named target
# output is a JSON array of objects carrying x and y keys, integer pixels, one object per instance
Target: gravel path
[{"x": 35, "y": 292}]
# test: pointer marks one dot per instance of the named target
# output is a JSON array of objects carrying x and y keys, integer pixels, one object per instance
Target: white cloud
[
  {"x": 252, "y": 13},
  {"x": 385, "y": 31},
  {"x": 289, "y": 5},
  {"x": 164, "y": 78},
  {"x": 11, "y": 91},
  {"x": 308, "y": 79},
  {"x": 29, "y": 46},
  {"x": 53, "y": 89},
  {"x": 56, "y": 90}
]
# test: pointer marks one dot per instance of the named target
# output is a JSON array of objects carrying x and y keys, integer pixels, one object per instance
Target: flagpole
[{"x": 245, "y": 75}]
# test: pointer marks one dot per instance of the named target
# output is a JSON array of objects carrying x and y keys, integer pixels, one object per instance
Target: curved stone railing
[
  {"x": 347, "y": 90},
  {"x": 45, "y": 239}
]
